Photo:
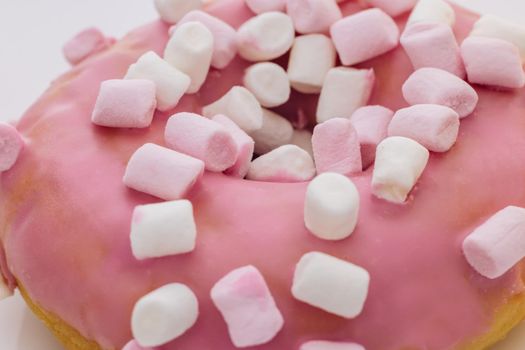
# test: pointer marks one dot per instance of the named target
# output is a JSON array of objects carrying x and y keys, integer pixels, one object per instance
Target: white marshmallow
[
  {"x": 5, "y": 292},
  {"x": 162, "y": 229},
  {"x": 164, "y": 314},
  {"x": 240, "y": 106},
  {"x": 172, "y": 11},
  {"x": 190, "y": 49},
  {"x": 331, "y": 284},
  {"x": 260, "y": 6},
  {"x": 287, "y": 163},
  {"x": 344, "y": 90},
  {"x": 331, "y": 206},
  {"x": 268, "y": 82},
  {"x": 311, "y": 58},
  {"x": 433, "y": 11},
  {"x": 265, "y": 37},
  {"x": 303, "y": 139},
  {"x": 398, "y": 165},
  {"x": 171, "y": 84},
  {"x": 329, "y": 345},
  {"x": 499, "y": 28},
  {"x": 276, "y": 131}
]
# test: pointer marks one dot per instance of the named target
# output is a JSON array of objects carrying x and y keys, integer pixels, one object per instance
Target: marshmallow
[
  {"x": 493, "y": 62},
  {"x": 163, "y": 229},
  {"x": 276, "y": 131},
  {"x": 331, "y": 284},
  {"x": 344, "y": 90},
  {"x": 364, "y": 35},
  {"x": 133, "y": 345},
  {"x": 162, "y": 172},
  {"x": 5, "y": 292},
  {"x": 398, "y": 165},
  {"x": 247, "y": 306},
  {"x": 371, "y": 125},
  {"x": 260, "y": 6},
  {"x": 336, "y": 147},
  {"x": 436, "y": 86},
  {"x": 329, "y": 345},
  {"x": 497, "y": 245},
  {"x": 85, "y": 44},
  {"x": 164, "y": 314},
  {"x": 311, "y": 58},
  {"x": 244, "y": 143},
  {"x": 313, "y": 16},
  {"x": 265, "y": 36},
  {"x": 495, "y": 27},
  {"x": 190, "y": 50},
  {"x": 394, "y": 8},
  {"x": 433, "y": 11},
  {"x": 287, "y": 163},
  {"x": 170, "y": 83},
  {"x": 433, "y": 45},
  {"x": 435, "y": 127},
  {"x": 172, "y": 11},
  {"x": 239, "y": 105},
  {"x": 224, "y": 44},
  {"x": 125, "y": 104},
  {"x": 331, "y": 206},
  {"x": 268, "y": 82},
  {"x": 203, "y": 139},
  {"x": 303, "y": 139},
  {"x": 11, "y": 144}
]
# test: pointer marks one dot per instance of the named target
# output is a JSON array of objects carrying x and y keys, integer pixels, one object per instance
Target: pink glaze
[{"x": 65, "y": 217}]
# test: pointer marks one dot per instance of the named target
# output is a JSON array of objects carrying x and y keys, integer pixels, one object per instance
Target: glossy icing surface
[{"x": 65, "y": 218}]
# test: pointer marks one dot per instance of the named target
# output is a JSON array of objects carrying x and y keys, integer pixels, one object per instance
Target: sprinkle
[
  {"x": 331, "y": 284},
  {"x": 269, "y": 83},
  {"x": 247, "y": 306},
  {"x": 125, "y": 104},
  {"x": 11, "y": 144},
  {"x": 311, "y": 58},
  {"x": 287, "y": 163},
  {"x": 433, "y": 11},
  {"x": 164, "y": 314},
  {"x": 172, "y": 11},
  {"x": 328, "y": 345},
  {"x": 331, "y": 206},
  {"x": 276, "y": 131},
  {"x": 171, "y": 84},
  {"x": 313, "y": 16},
  {"x": 399, "y": 164},
  {"x": 344, "y": 90},
  {"x": 163, "y": 229},
  {"x": 394, "y": 8},
  {"x": 85, "y": 44},
  {"x": 260, "y": 6},
  {"x": 162, "y": 172}
]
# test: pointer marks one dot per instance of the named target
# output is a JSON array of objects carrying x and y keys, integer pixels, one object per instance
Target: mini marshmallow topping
[
  {"x": 5, "y": 292},
  {"x": 394, "y": 8},
  {"x": 265, "y": 36},
  {"x": 247, "y": 306},
  {"x": 331, "y": 206},
  {"x": 399, "y": 163},
  {"x": 133, "y": 345},
  {"x": 163, "y": 229},
  {"x": 164, "y": 314},
  {"x": 11, "y": 144},
  {"x": 85, "y": 44},
  {"x": 276, "y": 131},
  {"x": 303, "y": 139},
  {"x": 433, "y": 11},
  {"x": 313, "y": 16},
  {"x": 331, "y": 284},
  {"x": 172, "y": 11},
  {"x": 329, "y": 345},
  {"x": 190, "y": 49},
  {"x": 260, "y": 6},
  {"x": 268, "y": 82}
]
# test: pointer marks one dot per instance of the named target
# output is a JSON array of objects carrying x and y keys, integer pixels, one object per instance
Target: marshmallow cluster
[
  {"x": 261, "y": 6},
  {"x": 313, "y": 16},
  {"x": 85, "y": 44},
  {"x": 276, "y": 131},
  {"x": 11, "y": 144},
  {"x": 172, "y": 11},
  {"x": 303, "y": 140},
  {"x": 268, "y": 82},
  {"x": 433, "y": 11}
]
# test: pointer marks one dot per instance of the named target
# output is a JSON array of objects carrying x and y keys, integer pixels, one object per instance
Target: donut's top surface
[{"x": 65, "y": 220}]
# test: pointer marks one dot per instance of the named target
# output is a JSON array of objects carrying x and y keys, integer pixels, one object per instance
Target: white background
[{"x": 32, "y": 33}]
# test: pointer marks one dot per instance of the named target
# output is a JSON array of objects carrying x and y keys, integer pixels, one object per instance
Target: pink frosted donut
[{"x": 65, "y": 220}]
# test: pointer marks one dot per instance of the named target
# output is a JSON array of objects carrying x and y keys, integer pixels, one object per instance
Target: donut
[{"x": 66, "y": 212}]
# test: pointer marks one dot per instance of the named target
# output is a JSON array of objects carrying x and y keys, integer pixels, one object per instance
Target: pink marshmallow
[
  {"x": 394, "y": 7},
  {"x": 162, "y": 172},
  {"x": 430, "y": 44},
  {"x": 224, "y": 42},
  {"x": 203, "y": 139},
  {"x": 245, "y": 146},
  {"x": 336, "y": 147},
  {"x": 133, "y": 345},
  {"x": 329, "y": 345},
  {"x": 11, "y": 143},
  {"x": 433, "y": 126},
  {"x": 364, "y": 35},
  {"x": 260, "y": 6},
  {"x": 85, "y": 44},
  {"x": 436, "y": 86},
  {"x": 496, "y": 246},
  {"x": 371, "y": 125},
  {"x": 313, "y": 16},
  {"x": 247, "y": 306},
  {"x": 491, "y": 61},
  {"x": 128, "y": 103}
]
